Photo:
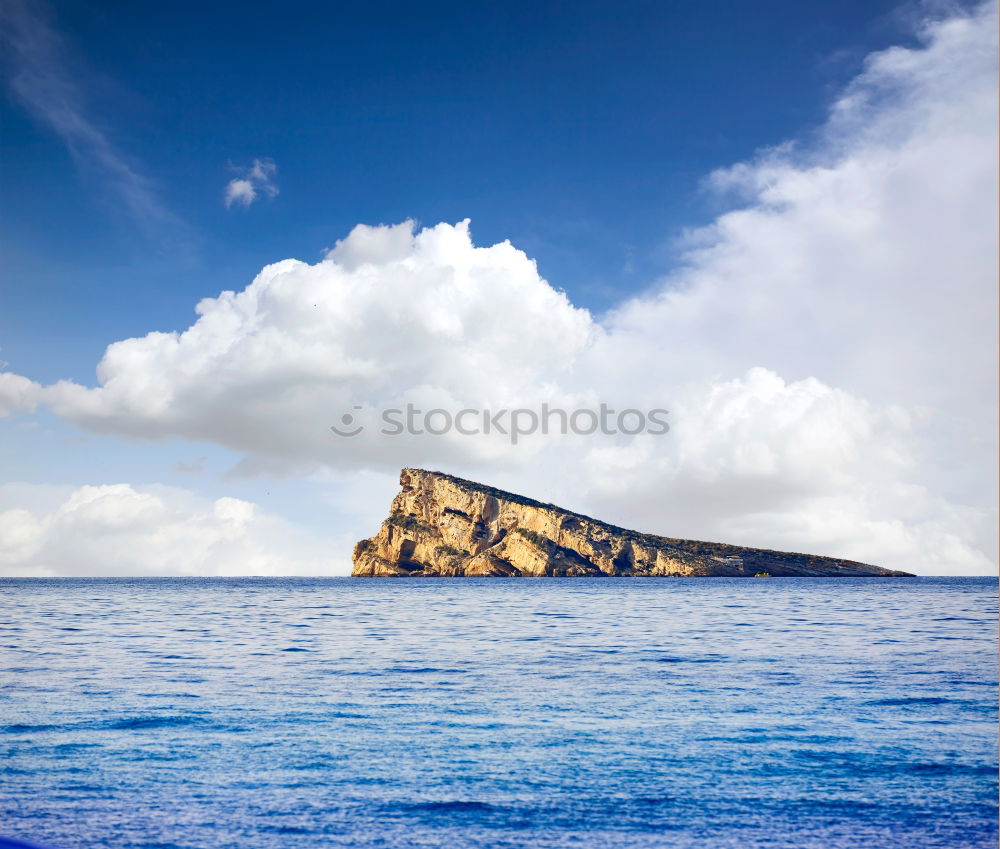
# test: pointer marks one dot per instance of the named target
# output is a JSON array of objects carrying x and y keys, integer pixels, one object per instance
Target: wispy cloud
[
  {"x": 251, "y": 183},
  {"x": 41, "y": 79}
]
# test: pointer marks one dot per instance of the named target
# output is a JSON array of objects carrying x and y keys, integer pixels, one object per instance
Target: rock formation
[{"x": 440, "y": 525}]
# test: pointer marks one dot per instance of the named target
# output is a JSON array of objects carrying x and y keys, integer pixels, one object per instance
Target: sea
[{"x": 485, "y": 713}]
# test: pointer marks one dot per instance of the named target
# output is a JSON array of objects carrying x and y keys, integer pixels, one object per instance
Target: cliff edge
[{"x": 441, "y": 525}]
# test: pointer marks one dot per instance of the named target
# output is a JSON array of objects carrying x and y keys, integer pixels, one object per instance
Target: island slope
[{"x": 441, "y": 525}]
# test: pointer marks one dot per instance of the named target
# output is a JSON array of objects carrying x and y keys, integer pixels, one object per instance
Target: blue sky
[
  {"x": 630, "y": 149},
  {"x": 579, "y": 131}
]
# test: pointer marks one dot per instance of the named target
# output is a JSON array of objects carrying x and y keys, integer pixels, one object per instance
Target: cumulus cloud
[
  {"x": 826, "y": 349},
  {"x": 795, "y": 465},
  {"x": 17, "y": 394},
  {"x": 866, "y": 259},
  {"x": 425, "y": 317},
  {"x": 252, "y": 182},
  {"x": 124, "y": 530}
]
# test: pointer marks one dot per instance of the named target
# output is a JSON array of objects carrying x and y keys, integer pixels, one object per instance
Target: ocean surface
[{"x": 716, "y": 713}]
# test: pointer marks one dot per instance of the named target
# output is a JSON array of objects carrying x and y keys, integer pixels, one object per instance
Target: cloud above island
[{"x": 826, "y": 348}]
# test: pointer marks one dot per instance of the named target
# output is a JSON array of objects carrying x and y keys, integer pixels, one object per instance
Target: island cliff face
[{"x": 440, "y": 525}]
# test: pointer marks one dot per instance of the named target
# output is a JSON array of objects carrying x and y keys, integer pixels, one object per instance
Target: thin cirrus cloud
[
  {"x": 43, "y": 79},
  {"x": 826, "y": 350},
  {"x": 252, "y": 183}
]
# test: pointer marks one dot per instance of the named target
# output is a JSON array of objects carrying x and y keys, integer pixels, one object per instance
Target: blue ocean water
[{"x": 718, "y": 713}]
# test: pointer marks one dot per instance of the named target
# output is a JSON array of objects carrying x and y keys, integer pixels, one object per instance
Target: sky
[{"x": 223, "y": 229}]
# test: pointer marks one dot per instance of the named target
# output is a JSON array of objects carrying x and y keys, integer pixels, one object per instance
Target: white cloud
[
  {"x": 251, "y": 182},
  {"x": 827, "y": 350},
  {"x": 17, "y": 394},
  {"x": 241, "y": 192},
  {"x": 795, "y": 465},
  {"x": 868, "y": 259},
  {"x": 124, "y": 530},
  {"x": 423, "y": 316}
]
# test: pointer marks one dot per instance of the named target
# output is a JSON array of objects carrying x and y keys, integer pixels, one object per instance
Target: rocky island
[{"x": 443, "y": 526}]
